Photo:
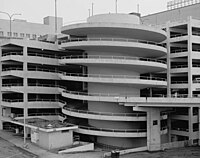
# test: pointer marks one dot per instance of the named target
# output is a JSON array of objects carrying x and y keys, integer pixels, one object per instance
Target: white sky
[{"x": 76, "y": 10}]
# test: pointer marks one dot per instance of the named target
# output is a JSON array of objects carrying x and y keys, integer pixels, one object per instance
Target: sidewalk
[{"x": 42, "y": 153}]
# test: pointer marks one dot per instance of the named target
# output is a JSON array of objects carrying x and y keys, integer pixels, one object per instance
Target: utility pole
[
  {"x": 116, "y": 6},
  {"x": 92, "y": 9}
]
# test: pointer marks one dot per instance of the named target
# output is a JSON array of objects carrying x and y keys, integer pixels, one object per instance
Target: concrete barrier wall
[
  {"x": 128, "y": 151},
  {"x": 82, "y": 148},
  {"x": 177, "y": 144}
]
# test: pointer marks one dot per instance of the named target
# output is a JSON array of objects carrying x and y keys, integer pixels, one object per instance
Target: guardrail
[
  {"x": 42, "y": 69},
  {"x": 117, "y": 95},
  {"x": 46, "y": 85},
  {"x": 34, "y": 100},
  {"x": 179, "y": 82},
  {"x": 179, "y": 66},
  {"x": 12, "y": 53},
  {"x": 114, "y": 76},
  {"x": 37, "y": 114},
  {"x": 113, "y": 39},
  {"x": 43, "y": 55},
  {"x": 113, "y": 130},
  {"x": 12, "y": 84},
  {"x": 105, "y": 113},
  {"x": 196, "y": 33},
  {"x": 112, "y": 57},
  {"x": 12, "y": 68},
  {"x": 178, "y": 35},
  {"x": 179, "y": 51},
  {"x": 180, "y": 129}
]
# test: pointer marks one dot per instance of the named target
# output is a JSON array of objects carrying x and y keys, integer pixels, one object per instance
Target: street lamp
[{"x": 10, "y": 17}]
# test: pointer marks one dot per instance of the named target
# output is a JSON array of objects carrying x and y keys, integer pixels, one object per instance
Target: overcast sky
[{"x": 76, "y": 10}]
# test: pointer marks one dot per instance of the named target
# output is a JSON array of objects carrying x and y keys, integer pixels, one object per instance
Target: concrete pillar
[
  {"x": 199, "y": 125},
  {"x": 25, "y": 84},
  {"x": 25, "y": 80},
  {"x": 169, "y": 127},
  {"x": 189, "y": 26},
  {"x": 168, "y": 62},
  {"x": 1, "y": 110},
  {"x": 190, "y": 123},
  {"x": 153, "y": 129}
]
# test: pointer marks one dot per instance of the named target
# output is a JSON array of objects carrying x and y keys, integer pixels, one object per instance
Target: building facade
[{"x": 123, "y": 83}]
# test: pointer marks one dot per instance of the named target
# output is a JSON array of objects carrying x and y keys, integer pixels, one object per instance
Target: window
[
  {"x": 15, "y": 34},
  {"x": 34, "y": 36},
  {"x": 22, "y": 35},
  {"x": 28, "y": 35},
  {"x": 155, "y": 122},
  {"x": 9, "y": 34},
  {"x": 1, "y": 33}
]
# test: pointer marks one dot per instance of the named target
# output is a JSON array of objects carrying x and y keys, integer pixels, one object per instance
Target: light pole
[
  {"x": 116, "y": 6},
  {"x": 10, "y": 17}
]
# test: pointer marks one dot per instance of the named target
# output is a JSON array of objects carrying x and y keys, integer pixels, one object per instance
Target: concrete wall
[
  {"x": 123, "y": 142},
  {"x": 55, "y": 139},
  {"x": 115, "y": 18}
]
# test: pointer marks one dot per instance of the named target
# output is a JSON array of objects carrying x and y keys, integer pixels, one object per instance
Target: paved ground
[
  {"x": 9, "y": 150},
  {"x": 11, "y": 147},
  {"x": 189, "y": 152}
]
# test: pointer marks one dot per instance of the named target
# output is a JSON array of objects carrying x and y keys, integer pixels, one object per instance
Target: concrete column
[
  {"x": 199, "y": 125},
  {"x": 168, "y": 62},
  {"x": 25, "y": 80},
  {"x": 25, "y": 84},
  {"x": 153, "y": 129},
  {"x": 1, "y": 109},
  {"x": 169, "y": 127},
  {"x": 189, "y": 57},
  {"x": 190, "y": 123}
]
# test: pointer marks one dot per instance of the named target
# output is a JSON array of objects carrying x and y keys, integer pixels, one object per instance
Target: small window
[
  {"x": 155, "y": 122},
  {"x": 34, "y": 36},
  {"x": 22, "y": 35},
  {"x": 9, "y": 34},
  {"x": 1, "y": 33},
  {"x": 28, "y": 35},
  {"x": 15, "y": 34}
]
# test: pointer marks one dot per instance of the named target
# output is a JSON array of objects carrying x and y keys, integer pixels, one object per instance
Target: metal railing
[
  {"x": 46, "y": 85},
  {"x": 179, "y": 50},
  {"x": 180, "y": 129},
  {"x": 37, "y": 114},
  {"x": 12, "y": 84},
  {"x": 42, "y": 69},
  {"x": 196, "y": 33},
  {"x": 113, "y": 39},
  {"x": 113, "y": 130},
  {"x": 179, "y": 66},
  {"x": 112, "y": 57},
  {"x": 104, "y": 113},
  {"x": 43, "y": 55},
  {"x": 34, "y": 100},
  {"x": 178, "y": 35},
  {"x": 12, "y": 68},
  {"x": 114, "y": 76},
  {"x": 102, "y": 94},
  {"x": 179, "y": 82},
  {"x": 12, "y": 53}
]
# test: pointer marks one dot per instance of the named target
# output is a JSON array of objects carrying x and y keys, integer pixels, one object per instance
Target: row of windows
[{"x": 22, "y": 35}]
